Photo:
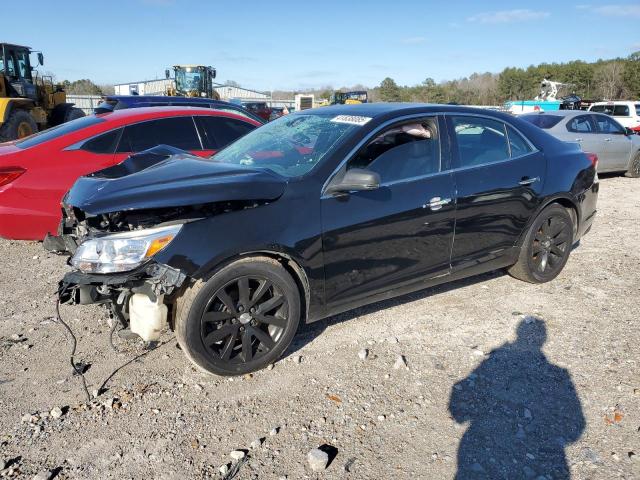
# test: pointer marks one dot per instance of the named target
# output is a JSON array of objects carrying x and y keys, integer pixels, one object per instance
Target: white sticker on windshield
[{"x": 351, "y": 119}]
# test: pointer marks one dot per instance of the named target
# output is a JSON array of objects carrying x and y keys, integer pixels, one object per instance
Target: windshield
[
  {"x": 542, "y": 121},
  {"x": 59, "y": 131},
  {"x": 291, "y": 145},
  {"x": 188, "y": 79}
]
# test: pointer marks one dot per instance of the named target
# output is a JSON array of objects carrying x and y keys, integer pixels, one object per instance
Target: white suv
[{"x": 626, "y": 113}]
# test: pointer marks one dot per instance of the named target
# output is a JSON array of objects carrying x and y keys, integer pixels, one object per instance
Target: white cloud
[
  {"x": 632, "y": 11},
  {"x": 413, "y": 40},
  {"x": 508, "y": 16}
]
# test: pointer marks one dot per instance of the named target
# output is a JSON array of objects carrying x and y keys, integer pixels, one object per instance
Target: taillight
[
  {"x": 9, "y": 174},
  {"x": 593, "y": 157}
]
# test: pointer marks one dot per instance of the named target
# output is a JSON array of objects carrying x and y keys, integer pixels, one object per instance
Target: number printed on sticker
[{"x": 351, "y": 119}]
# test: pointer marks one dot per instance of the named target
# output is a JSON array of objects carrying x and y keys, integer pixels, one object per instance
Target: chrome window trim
[{"x": 362, "y": 142}]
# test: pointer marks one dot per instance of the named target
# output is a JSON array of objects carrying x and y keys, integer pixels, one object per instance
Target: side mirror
[
  {"x": 40, "y": 58},
  {"x": 167, "y": 74},
  {"x": 628, "y": 131},
  {"x": 355, "y": 180}
]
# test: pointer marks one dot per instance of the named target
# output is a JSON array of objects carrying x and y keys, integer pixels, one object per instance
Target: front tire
[
  {"x": 240, "y": 320},
  {"x": 546, "y": 246},
  {"x": 634, "y": 168}
]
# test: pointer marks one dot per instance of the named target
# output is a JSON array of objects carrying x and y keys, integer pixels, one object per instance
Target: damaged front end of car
[{"x": 116, "y": 221}]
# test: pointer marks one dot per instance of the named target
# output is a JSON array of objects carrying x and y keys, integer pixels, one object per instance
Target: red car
[{"x": 36, "y": 172}]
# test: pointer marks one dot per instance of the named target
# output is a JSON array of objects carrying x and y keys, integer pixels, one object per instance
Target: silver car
[{"x": 618, "y": 149}]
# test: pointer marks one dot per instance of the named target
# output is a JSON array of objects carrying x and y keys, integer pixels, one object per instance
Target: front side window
[
  {"x": 406, "y": 150},
  {"x": 620, "y": 111},
  {"x": 23, "y": 64},
  {"x": 638, "y": 109},
  {"x": 480, "y": 140},
  {"x": 581, "y": 124},
  {"x": 607, "y": 125},
  {"x": 218, "y": 132},
  {"x": 179, "y": 132},
  {"x": 292, "y": 145}
]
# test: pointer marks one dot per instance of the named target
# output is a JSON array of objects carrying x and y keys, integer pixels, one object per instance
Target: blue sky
[{"x": 290, "y": 44}]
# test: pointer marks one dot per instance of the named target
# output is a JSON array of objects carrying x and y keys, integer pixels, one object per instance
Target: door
[
  {"x": 582, "y": 129},
  {"x": 499, "y": 177},
  {"x": 400, "y": 233},
  {"x": 617, "y": 146}
]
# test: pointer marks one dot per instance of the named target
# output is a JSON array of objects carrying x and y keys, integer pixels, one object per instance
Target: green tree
[
  {"x": 389, "y": 91},
  {"x": 631, "y": 75}
]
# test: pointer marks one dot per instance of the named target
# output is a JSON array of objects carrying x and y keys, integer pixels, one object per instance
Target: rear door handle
[
  {"x": 436, "y": 203},
  {"x": 528, "y": 181},
  {"x": 607, "y": 139},
  {"x": 578, "y": 139}
]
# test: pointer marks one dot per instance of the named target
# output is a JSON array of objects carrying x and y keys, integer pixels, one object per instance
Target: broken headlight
[{"x": 122, "y": 252}]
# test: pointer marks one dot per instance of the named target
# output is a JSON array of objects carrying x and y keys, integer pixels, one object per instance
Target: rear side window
[
  {"x": 620, "y": 111},
  {"x": 582, "y": 124},
  {"x": 105, "y": 143},
  {"x": 517, "y": 144},
  {"x": 542, "y": 121},
  {"x": 638, "y": 109},
  {"x": 59, "y": 131},
  {"x": 218, "y": 132},
  {"x": 480, "y": 140},
  {"x": 177, "y": 132}
]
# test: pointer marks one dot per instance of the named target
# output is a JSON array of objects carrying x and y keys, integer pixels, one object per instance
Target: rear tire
[
  {"x": 20, "y": 124},
  {"x": 72, "y": 114},
  {"x": 241, "y": 319},
  {"x": 546, "y": 246},
  {"x": 634, "y": 168}
]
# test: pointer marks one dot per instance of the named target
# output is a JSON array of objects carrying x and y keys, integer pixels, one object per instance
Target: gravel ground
[{"x": 477, "y": 390}]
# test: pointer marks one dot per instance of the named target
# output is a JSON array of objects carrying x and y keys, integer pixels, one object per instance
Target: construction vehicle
[
  {"x": 349, "y": 98},
  {"x": 28, "y": 102},
  {"x": 192, "y": 81}
]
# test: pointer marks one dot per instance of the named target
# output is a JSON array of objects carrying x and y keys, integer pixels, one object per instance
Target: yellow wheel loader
[
  {"x": 28, "y": 102},
  {"x": 192, "y": 81}
]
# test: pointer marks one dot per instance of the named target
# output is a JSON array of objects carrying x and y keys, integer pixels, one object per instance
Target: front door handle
[
  {"x": 578, "y": 139},
  {"x": 607, "y": 139},
  {"x": 528, "y": 180},
  {"x": 436, "y": 203}
]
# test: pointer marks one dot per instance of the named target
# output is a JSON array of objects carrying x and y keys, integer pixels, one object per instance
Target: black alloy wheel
[
  {"x": 551, "y": 244},
  {"x": 546, "y": 246},
  {"x": 241, "y": 319},
  {"x": 244, "y": 320}
]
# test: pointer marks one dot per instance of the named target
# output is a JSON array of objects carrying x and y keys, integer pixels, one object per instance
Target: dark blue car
[{"x": 119, "y": 102}]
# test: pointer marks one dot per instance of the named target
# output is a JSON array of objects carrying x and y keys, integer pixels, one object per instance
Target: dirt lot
[{"x": 477, "y": 395}]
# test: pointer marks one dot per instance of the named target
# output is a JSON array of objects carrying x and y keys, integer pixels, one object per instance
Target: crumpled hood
[{"x": 166, "y": 177}]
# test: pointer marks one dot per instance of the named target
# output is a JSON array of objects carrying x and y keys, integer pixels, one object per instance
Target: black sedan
[{"x": 316, "y": 213}]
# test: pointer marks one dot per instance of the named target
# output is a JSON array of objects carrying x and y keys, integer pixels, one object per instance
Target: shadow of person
[{"x": 522, "y": 411}]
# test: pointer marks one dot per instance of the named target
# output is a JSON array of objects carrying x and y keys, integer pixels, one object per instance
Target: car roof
[
  {"x": 563, "y": 113},
  {"x": 133, "y": 114},
  {"x": 380, "y": 109},
  {"x": 615, "y": 102}
]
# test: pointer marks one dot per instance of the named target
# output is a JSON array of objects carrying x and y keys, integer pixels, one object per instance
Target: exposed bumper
[
  {"x": 152, "y": 279},
  {"x": 588, "y": 201}
]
